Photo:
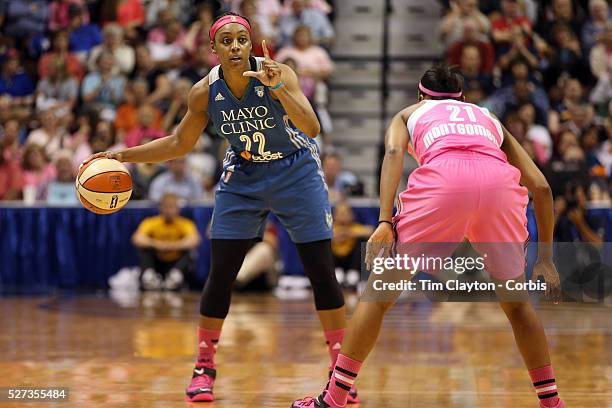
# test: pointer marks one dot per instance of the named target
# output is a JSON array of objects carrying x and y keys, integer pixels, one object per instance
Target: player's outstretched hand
[
  {"x": 547, "y": 270},
  {"x": 379, "y": 244},
  {"x": 108, "y": 155},
  {"x": 270, "y": 74}
]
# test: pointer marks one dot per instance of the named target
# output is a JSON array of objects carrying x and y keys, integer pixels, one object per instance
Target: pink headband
[
  {"x": 227, "y": 20},
  {"x": 439, "y": 94}
]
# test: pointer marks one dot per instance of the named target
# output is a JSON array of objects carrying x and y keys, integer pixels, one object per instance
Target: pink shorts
[{"x": 466, "y": 195}]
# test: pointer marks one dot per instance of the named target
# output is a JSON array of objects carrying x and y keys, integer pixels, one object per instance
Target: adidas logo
[
  {"x": 337, "y": 346},
  {"x": 219, "y": 97}
]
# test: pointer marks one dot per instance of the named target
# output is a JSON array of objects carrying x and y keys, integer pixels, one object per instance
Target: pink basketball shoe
[{"x": 201, "y": 387}]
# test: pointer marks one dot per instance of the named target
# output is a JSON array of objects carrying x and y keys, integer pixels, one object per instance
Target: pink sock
[
  {"x": 334, "y": 340},
  {"x": 207, "y": 345},
  {"x": 543, "y": 380},
  {"x": 342, "y": 379}
]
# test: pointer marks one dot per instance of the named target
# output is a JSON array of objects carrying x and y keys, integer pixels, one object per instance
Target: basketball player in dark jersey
[{"x": 272, "y": 165}]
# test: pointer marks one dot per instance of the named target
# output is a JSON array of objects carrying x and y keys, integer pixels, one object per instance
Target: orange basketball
[{"x": 104, "y": 185}]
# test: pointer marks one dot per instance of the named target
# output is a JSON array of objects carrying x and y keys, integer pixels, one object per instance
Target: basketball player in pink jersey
[{"x": 469, "y": 185}]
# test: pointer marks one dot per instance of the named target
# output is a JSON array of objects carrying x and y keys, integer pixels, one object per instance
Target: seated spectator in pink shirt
[
  {"x": 58, "y": 14},
  {"x": 312, "y": 61},
  {"x": 38, "y": 172},
  {"x": 129, "y": 14},
  {"x": 146, "y": 131},
  {"x": 60, "y": 51},
  {"x": 11, "y": 174},
  {"x": 166, "y": 44}
]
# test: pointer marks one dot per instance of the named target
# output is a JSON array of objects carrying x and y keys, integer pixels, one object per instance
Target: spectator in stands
[
  {"x": 23, "y": 19},
  {"x": 142, "y": 176},
  {"x": 471, "y": 68},
  {"x": 510, "y": 24},
  {"x": 571, "y": 107},
  {"x": 601, "y": 63},
  {"x": 16, "y": 87},
  {"x": 312, "y": 60},
  {"x": 341, "y": 183},
  {"x": 307, "y": 83},
  {"x": 60, "y": 52},
  {"x": 61, "y": 189},
  {"x": 178, "y": 104},
  {"x": 519, "y": 48},
  {"x": 176, "y": 181},
  {"x": 146, "y": 129},
  {"x": 565, "y": 56},
  {"x": 567, "y": 164},
  {"x": 320, "y": 26},
  {"x": 102, "y": 90},
  {"x": 166, "y": 45},
  {"x": 10, "y": 147},
  {"x": 129, "y": 14},
  {"x": 158, "y": 81},
  {"x": 127, "y": 113},
  {"x": 272, "y": 9},
  {"x": 573, "y": 223},
  {"x": 590, "y": 143},
  {"x": 165, "y": 243},
  {"x": 453, "y": 27},
  {"x": 38, "y": 172},
  {"x": 85, "y": 143},
  {"x": 59, "y": 18},
  {"x": 11, "y": 174},
  {"x": 203, "y": 167},
  {"x": 346, "y": 244},
  {"x": 595, "y": 26},
  {"x": 537, "y": 134},
  {"x": 262, "y": 28},
  {"x": 51, "y": 136},
  {"x": 604, "y": 152},
  {"x": 197, "y": 43},
  {"x": 560, "y": 11},
  {"x": 177, "y": 9},
  {"x": 83, "y": 37},
  {"x": 59, "y": 90},
  {"x": 104, "y": 138},
  {"x": 511, "y": 97},
  {"x": 471, "y": 38},
  {"x": 198, "y": 67},
  {"x": 114, "y": 43}
]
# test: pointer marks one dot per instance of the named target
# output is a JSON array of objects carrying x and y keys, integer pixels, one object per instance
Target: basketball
[{"x": 104, "y": 185}]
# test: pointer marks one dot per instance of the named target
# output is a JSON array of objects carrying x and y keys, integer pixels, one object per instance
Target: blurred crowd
[
  {"x": 545, "y": 69},
  {"x": 83, "y": 76}
]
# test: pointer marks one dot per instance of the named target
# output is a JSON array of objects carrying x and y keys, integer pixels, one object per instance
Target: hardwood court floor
[{"x": 271, "y": 352}]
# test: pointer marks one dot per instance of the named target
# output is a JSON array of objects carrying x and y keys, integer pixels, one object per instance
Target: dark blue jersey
[{"x": 256, "y": 126}]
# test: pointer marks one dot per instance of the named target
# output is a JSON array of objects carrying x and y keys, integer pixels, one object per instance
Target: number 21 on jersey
[{"x": 456, "y": 113}]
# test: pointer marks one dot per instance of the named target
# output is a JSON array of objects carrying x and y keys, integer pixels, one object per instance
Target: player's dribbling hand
[
  {"x": 379, "y": 244},
  {"x": 548, "y": 271},
  {"x": 108, "y": 155},
  {"x": 270, "y": 74}
]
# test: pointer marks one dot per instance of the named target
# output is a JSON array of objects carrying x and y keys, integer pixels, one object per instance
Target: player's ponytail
[{"x": 441, "y": 82}]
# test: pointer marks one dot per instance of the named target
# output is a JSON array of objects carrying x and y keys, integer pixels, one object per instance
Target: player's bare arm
[
  {"x": 534, "y": 180},
  {"x": 396, "y": 145},
  {"x": 290, "y": 95},
  {"x": 177, "y": 144}
]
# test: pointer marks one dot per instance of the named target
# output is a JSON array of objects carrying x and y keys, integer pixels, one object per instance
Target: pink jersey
[{"x": 439, "y": 126}]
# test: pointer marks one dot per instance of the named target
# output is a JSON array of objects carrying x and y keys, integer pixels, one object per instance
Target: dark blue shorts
[{"x": 292, "y": 188}]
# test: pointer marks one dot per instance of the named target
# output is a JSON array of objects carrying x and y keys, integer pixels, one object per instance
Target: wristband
[
  {"x": 275, "y": 87},
  {"x": 386, "y": 222}
]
